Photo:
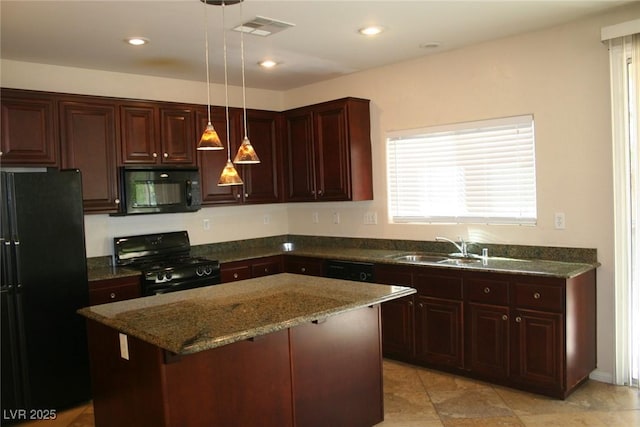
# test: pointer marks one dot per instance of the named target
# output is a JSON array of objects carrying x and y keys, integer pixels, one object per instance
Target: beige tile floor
[{"x": 419, "y": 397}]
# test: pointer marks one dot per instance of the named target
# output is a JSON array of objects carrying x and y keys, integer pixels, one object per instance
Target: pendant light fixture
[
  {"x": 210, "y": 139},
  {"x": 246, "y": 154},
  {"x": 229, "y": 174}
]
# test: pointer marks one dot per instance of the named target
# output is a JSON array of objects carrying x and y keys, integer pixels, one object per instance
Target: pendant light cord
[
  {"x": 244, "y": 91},
  {"x": 226, "y": 86},
  {"x": 206, "y": 58}
]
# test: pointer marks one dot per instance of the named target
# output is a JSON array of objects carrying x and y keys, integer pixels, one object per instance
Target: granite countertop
[
  {"x": 200, "y": 319},
  {"x": 239, "y": 252},
  {"x": 558, "y": 269}
]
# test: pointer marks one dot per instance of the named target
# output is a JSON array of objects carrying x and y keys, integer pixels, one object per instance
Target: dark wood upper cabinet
[
  {"x": 157, "y": 134},
  {"x": 328, "y": 152},
  {"x": 262, "y": 181},
  {"x": 177, "y": 143},
  {"x": 212, "y": 162},
  {"x": 89, "y": 142},
  {"x": 29, "y": 128},
  {"x": 316, "y": 153},
  {"x": 299, "y": 163}
]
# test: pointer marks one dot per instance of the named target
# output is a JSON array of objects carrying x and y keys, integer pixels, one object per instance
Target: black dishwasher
[{"x": 350, "y": 270}]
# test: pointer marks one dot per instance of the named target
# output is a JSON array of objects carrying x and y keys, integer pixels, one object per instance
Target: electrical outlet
[
  {"x": 314, "y": 218},
  {"x": 266, "y": 219},
  {"x": 559, "y": 220},
  {"x": 206, "y": 224},
  {"x": 371, "y": 218},
  {"x": 336, "y": 217}
]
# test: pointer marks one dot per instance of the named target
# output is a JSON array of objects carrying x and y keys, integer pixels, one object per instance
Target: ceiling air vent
[{"x": 261, "y": 26}]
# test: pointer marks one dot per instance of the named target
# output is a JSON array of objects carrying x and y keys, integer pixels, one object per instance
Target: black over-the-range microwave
[{"x": 146, "y": 190}]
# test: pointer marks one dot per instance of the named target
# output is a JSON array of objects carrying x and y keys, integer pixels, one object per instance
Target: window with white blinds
[{"x": 474, "y": 172}]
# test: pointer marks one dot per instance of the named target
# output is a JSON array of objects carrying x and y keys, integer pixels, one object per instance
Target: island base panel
[
  {"x": 337, "y": 371},
  {"x": 326, "y": 371}
]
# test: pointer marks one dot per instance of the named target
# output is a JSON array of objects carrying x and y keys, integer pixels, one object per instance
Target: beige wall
[{"x": 560, "y": 75}]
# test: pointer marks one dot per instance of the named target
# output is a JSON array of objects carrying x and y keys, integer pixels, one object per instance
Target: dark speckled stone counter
[
  {"x": 199, "y": 319},
  {"x": 531, "y": 260}
]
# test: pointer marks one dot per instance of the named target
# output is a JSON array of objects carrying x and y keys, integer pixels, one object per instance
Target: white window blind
[{"x": 475, "y": 172}]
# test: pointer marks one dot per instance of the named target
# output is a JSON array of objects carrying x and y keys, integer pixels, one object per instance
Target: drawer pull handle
[
  {"x": 518, "y": 319},
  {"x": 536, "y": 295},
  {"x": 235, "y": 275},
  {"x": 303, "y": 269},
  {"x": 112, "y": 295},
  {"x": 487, "y": 290},
  {"x": 505, "y": 317}
]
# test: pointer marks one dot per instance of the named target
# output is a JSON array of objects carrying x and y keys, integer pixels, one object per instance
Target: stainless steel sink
[
  {"x": 420, "y": 258},
  {"x": 461, "y": 261},
  {"x": 426, "y": 258}
]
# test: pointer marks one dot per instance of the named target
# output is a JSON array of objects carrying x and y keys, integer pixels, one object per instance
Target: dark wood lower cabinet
[
  {"x": 439, "y": 331},
  {"x": 538, "y": 349},
  {"x": 488, "y": 340},
  {"x": 112, "y": 290},
  {"x": 304, "y": 265},
  {"x": 534, "y": 333},
  {"x": 247, "y": 269},
  {"x": 327, "y": 373}
]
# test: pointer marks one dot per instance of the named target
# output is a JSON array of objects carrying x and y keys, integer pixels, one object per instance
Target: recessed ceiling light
[
  {"x": 267, "y": 63},
  {"x": 373, "y": 30},
  {"x": 136, "y": 41}
]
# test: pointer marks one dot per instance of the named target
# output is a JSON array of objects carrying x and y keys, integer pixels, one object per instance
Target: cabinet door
[
  {"x": 537, "y": 348},
  {"x": 488, "y": 340},
  {"x": 177, "y": 136},
  {"x": 397, "y": 315},
  {"x": 211, "y": 163},
  {"x": 29, "y": 129},
  {"x": 439, "y": 331},
  {"x": 331, "y": 153},
  {"x": 262, "y": 181},
  {"x": 300, "y": 179},
  {"x": 89, "y": 143},
  {"x": 138, "y": 134}
]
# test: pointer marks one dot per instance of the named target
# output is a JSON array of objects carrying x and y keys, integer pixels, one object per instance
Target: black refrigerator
[{"x": 45, "y": 363}]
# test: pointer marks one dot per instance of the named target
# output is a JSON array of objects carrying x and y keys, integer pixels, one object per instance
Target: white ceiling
[{"x": 323, "y": 44}]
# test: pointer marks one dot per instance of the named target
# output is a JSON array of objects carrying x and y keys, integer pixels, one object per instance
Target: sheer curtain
[{"x": 624, "y": 54}]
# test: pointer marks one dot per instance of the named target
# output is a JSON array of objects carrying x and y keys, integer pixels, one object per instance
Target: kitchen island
[{"x": 281, "y": 350}]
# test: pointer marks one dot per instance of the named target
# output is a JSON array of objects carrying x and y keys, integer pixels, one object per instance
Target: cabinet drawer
[
  {"x": 439, "y": 285},
  {"x": 304, "y": 265},
  {"x": 266, "y": 268},
  {"x": 538, "y": 296},
  {"x": 231, "y": 274},
  {"x": 488, "y": 291},
  {"x": 103, "y": 292}
]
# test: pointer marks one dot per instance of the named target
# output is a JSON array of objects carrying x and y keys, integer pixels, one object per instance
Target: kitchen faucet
[{"x": 462, "y": 246}]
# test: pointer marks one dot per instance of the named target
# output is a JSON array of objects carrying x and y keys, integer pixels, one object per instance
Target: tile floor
[{"x": 419, "y": 397}]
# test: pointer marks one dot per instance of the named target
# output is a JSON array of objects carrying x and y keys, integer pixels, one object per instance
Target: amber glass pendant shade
[
  {"x": 210, "y": 139},
  {"x": 229, "y": 176},
  {"x": 246, "y": 154}
]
